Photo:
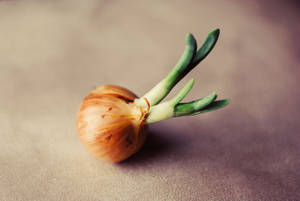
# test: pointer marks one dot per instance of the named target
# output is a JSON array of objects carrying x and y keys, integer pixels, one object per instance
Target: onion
[
  {"x": 112, "y": 121},
  {"x": 110, "y": 125}
]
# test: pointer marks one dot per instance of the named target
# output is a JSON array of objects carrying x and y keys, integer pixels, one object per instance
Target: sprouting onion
[{"x": 112, "y": 121}]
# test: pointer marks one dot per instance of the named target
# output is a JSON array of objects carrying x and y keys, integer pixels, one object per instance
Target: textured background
[{"x": 52, "y": 53}]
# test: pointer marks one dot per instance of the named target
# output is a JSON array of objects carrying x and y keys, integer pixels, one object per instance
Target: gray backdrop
[{"x": 52, "y": 53}]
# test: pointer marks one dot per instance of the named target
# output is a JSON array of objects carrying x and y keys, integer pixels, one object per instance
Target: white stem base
[{"x": 160, "y": 112}]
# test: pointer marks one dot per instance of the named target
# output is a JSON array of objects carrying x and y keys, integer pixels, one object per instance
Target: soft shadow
[{"x": 157, "y": 146}]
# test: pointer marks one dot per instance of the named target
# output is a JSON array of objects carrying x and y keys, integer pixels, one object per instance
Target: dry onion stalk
[{"x": 112, "y": 121}]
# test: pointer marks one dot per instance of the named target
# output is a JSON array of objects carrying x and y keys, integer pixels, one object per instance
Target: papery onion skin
[{"x": 110, "y": 125}]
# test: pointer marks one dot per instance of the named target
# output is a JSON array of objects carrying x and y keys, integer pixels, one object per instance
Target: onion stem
[
  {"x": 163, "y": 88},
  {"x": 180, "y": 111},
  {"x": 190, "y": 58},
  {"x": 166, "y": 110}
]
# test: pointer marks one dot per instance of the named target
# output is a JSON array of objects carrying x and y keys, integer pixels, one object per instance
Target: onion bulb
[{"x": 112, "y": 121}]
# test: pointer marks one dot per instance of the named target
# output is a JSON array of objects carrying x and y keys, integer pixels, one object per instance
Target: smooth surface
[{"x": 54, "y": 52}]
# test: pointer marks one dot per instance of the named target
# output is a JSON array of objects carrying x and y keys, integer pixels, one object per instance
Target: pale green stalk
[{"x": 173, "y": 108}]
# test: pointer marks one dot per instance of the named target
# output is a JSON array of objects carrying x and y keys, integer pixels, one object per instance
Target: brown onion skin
[{"x": 110, "y": 125}]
